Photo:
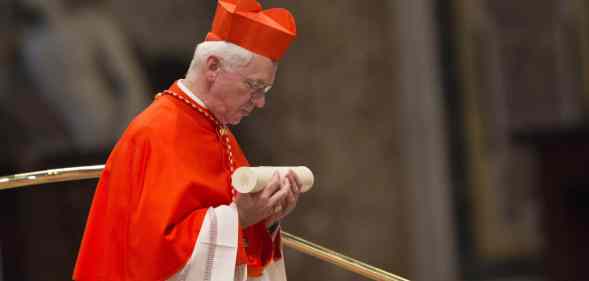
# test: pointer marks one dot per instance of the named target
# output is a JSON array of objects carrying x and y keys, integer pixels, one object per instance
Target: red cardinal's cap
[{"x": 244, "y": 23}]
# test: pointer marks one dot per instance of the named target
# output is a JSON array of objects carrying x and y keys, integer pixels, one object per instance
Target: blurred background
[{"x": 448, "y": 137}]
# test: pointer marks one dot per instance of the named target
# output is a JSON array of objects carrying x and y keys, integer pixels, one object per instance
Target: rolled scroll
[{"x": 254, "y": 179}]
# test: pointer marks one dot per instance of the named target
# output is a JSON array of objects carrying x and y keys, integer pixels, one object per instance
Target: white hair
[{"x": 232, "y": 55}]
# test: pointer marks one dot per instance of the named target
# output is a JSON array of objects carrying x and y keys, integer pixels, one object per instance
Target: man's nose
[{"x": 259, "y": 101}]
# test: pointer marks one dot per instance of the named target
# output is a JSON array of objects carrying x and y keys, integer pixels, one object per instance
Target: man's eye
[{"x": 254, "y": 85}]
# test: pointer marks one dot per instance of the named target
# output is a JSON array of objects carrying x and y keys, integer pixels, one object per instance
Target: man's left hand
[{"x": 293, "y": 184}]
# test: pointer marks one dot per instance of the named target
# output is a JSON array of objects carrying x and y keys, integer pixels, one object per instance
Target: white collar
[{"x": 191, "y": 94}]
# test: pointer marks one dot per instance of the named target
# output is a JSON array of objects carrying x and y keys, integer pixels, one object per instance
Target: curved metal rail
[{"x": 292, "y": 241}]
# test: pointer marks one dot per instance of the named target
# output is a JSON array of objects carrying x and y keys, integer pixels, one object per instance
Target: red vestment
[{"x": 167, "y": 169}]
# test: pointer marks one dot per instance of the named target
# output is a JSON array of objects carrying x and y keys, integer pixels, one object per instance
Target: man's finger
[
  {"x": 293, "y": 185},
  {"x": 292, "y": 195},
  {"x": 297, "y": 181},
  {"x": 281, "y": 193},
  {"x": 272, "y": 186}
]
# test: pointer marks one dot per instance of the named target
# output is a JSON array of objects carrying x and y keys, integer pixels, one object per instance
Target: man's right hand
[{"x": 254, "y": 207}]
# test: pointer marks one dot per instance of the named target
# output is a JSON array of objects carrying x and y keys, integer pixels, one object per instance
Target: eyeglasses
[{"x": 258, "y": 88}]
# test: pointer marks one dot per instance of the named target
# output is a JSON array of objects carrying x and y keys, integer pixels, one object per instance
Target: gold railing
[{"x": 292, "y": 241}]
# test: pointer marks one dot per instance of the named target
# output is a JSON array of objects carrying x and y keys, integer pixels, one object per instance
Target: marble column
[{"x": 422, "y": 134}]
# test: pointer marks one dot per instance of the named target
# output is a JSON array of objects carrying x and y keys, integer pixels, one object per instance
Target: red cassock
[{"x": 167, "y": 169}]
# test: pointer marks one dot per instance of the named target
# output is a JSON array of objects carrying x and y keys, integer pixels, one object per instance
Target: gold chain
[{"x": 222, "y": 130}]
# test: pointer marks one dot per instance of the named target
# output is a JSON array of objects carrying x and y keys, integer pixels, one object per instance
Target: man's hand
[
  {"x": 293, "y": 184},
  {"x": 254, "y": 207}
]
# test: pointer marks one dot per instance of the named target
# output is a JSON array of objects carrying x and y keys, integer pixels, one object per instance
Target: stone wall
[{"x": 521, "y": 69}]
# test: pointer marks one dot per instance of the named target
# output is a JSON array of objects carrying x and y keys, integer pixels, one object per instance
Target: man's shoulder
[
  {"x": 153, "y": 122},
  {"x": 163, "y": 121}
]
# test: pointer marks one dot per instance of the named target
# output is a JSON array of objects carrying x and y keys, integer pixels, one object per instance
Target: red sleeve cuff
[
  {"x": 277, "y": 241},
  {"x": 260, "y": 249}
]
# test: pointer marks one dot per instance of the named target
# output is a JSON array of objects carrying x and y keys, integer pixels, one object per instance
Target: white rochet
[{"x": 254, "y": 179}]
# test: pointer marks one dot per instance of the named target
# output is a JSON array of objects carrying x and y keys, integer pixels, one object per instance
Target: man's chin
[
  {"x": 238, "y": 118},
  {"x": 235, "y": 121}
]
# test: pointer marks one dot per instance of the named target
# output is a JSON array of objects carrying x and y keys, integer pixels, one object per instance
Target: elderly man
[{"x": 164, "y": 208}]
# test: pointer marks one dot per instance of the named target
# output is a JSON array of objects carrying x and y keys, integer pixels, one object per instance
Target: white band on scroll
[{"x": 254, "y": 179}]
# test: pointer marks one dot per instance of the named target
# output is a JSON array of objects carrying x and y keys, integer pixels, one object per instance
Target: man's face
[{"x": 239, "y": 90}]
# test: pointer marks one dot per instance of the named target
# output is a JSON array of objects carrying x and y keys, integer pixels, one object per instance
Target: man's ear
[{"x": 213, "y": 67}]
